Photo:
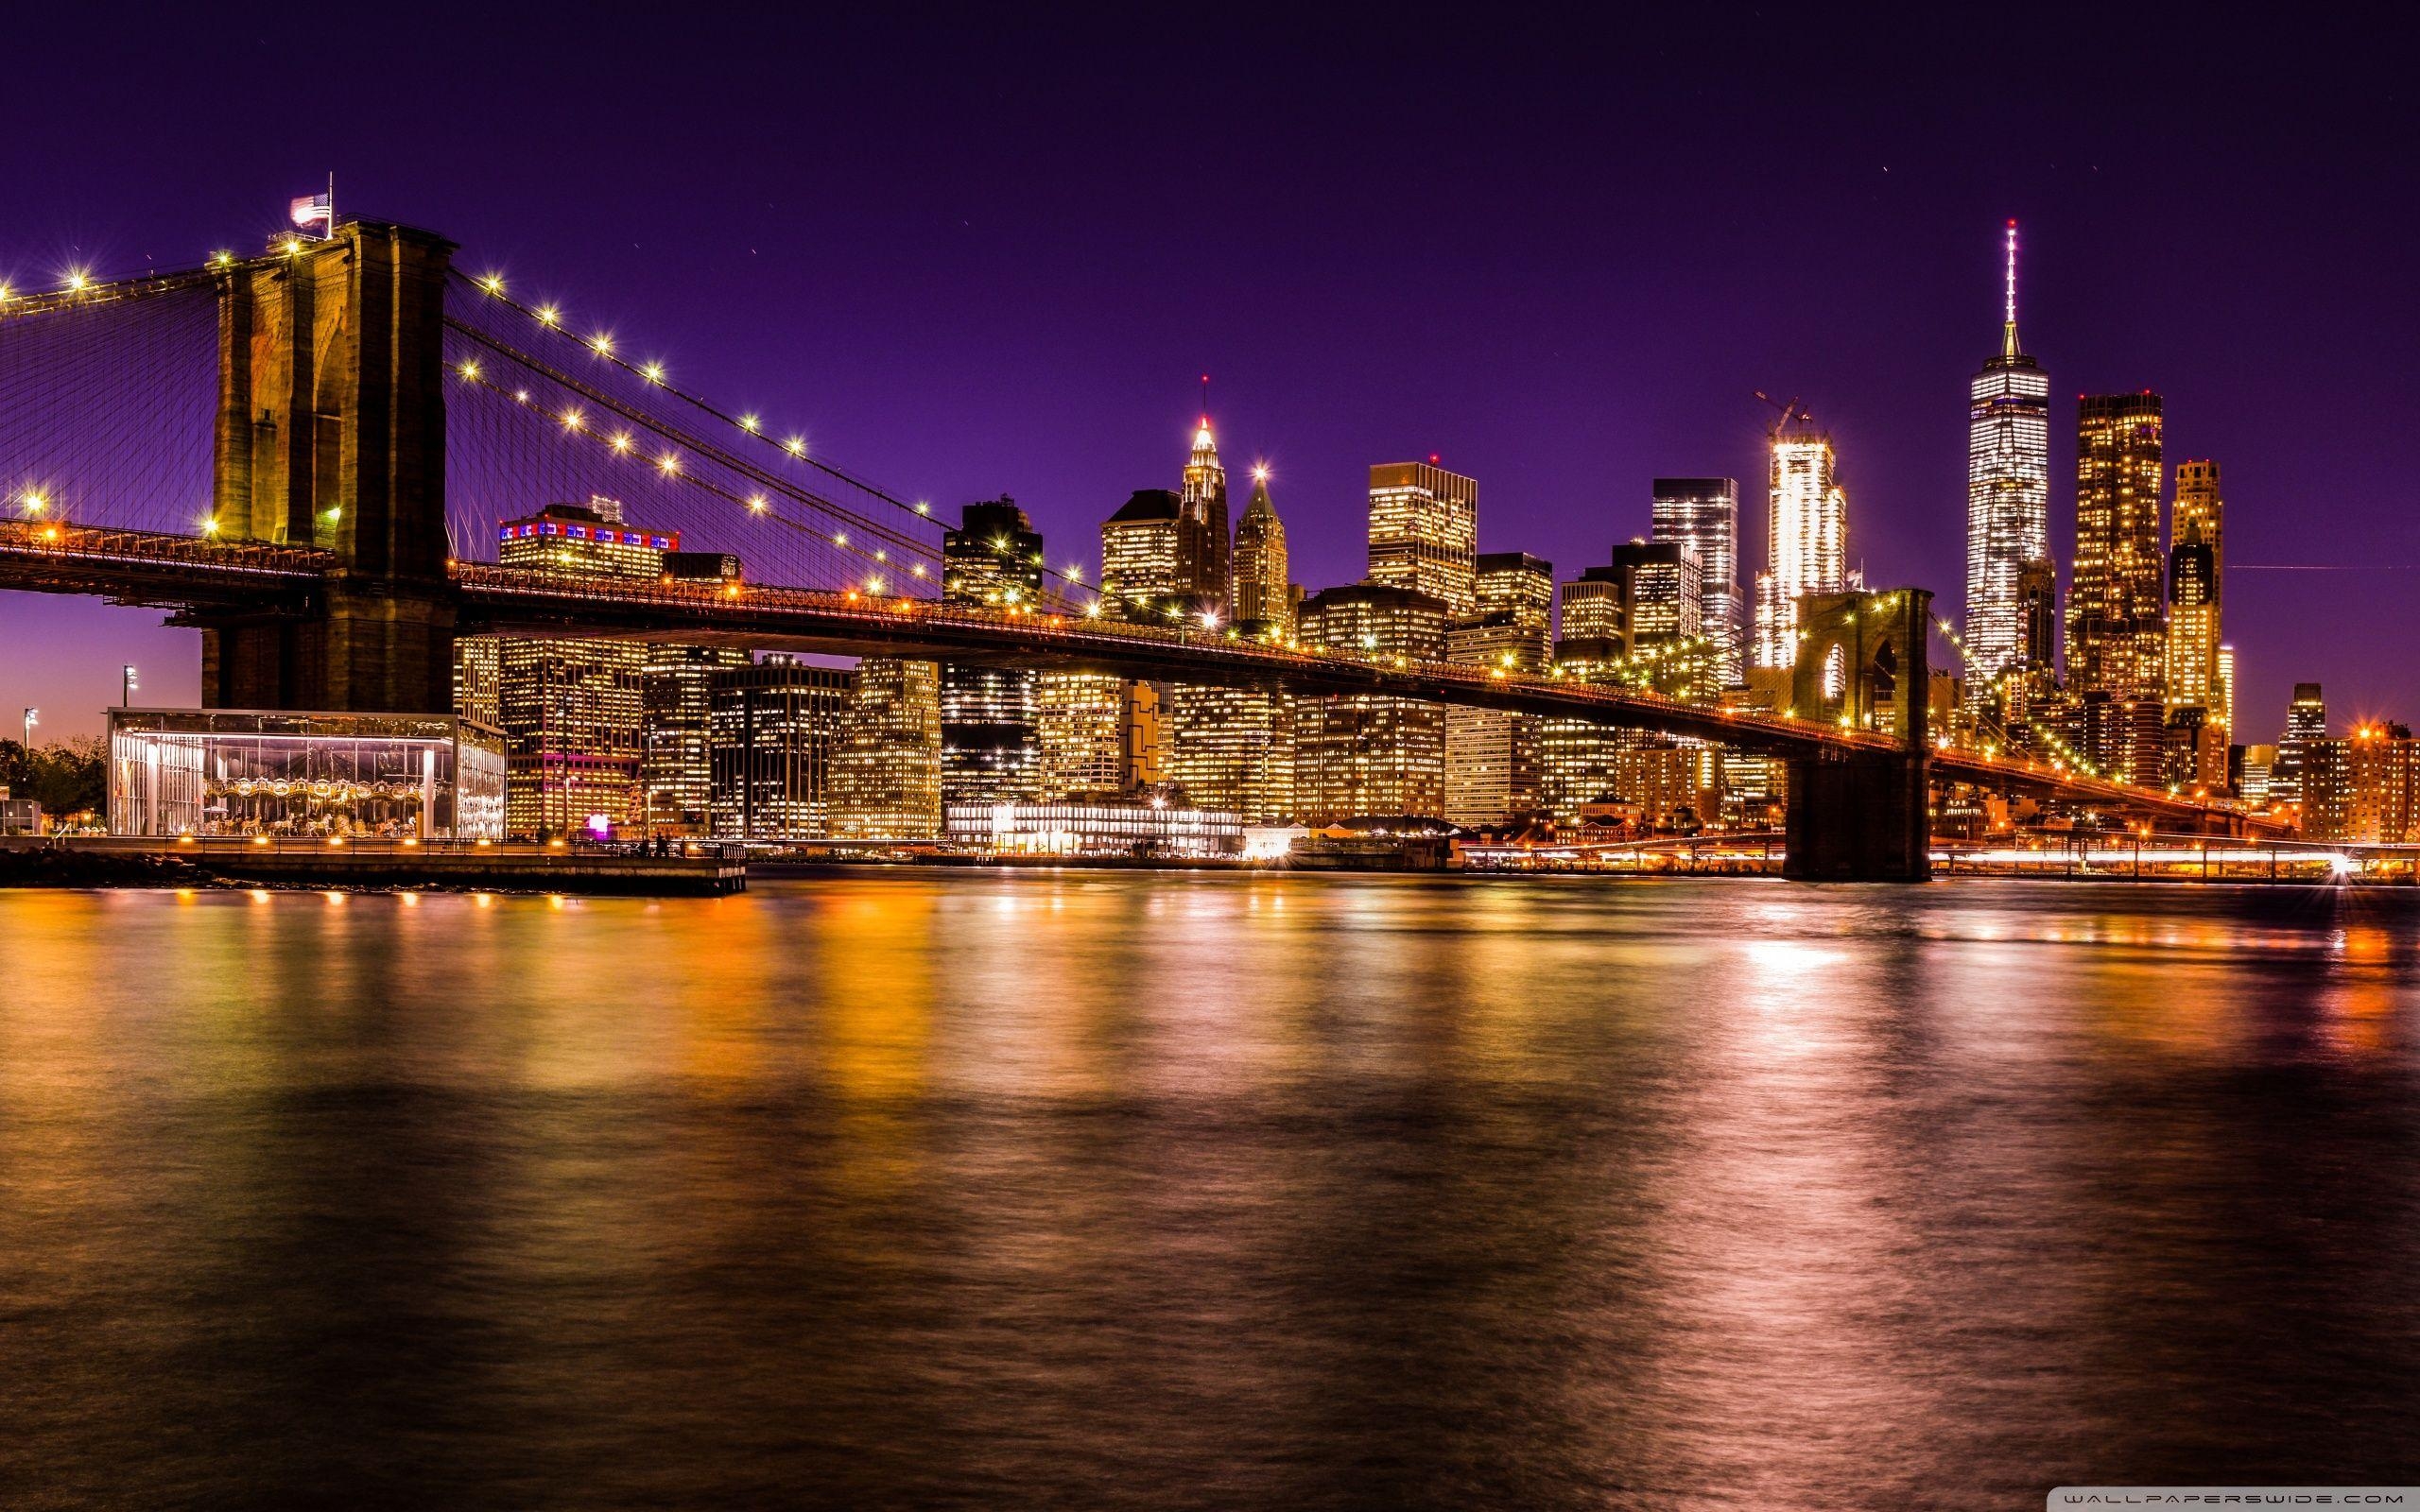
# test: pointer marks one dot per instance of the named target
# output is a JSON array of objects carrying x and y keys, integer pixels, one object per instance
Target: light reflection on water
[{"x": 1119, "y": 1189}]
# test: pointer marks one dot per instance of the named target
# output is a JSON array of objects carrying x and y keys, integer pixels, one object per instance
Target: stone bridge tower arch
[{"x": 1863, "y": 664}]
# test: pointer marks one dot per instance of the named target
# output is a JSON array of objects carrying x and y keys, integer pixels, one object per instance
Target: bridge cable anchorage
[
  {"x": 619, "y": 445},
  {"x": 1075, "y": 596}
]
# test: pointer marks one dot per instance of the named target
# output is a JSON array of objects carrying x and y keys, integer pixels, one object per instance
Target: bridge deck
[{"x": 188, "y": 572}]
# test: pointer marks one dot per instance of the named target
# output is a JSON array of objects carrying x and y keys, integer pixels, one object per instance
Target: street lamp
[
  {"x": 33, "y": 717},
  {"x": 126, "y": 688}
]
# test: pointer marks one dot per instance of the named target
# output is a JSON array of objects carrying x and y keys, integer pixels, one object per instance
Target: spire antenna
[
  {"x": 2010, "y": 348},
  {"x": 1206, "y": 399},
  {"x": 2011, "y": 273}
]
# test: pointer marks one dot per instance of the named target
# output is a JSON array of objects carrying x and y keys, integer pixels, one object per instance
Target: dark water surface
[{"x": 1120, "y": 1190}]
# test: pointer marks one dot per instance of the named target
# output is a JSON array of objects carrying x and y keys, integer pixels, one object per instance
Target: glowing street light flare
[
  {"x": 493, "y": 283},
  {"x": 757, "y": 502},
  {"x": 654, "y": 372},
  {"x": 471, "y": 373},
  {"x": 79, "y": 279},
  {"x": 796, "y": 446},
  {"x": 622, "y": 440},
  {"x": 573, "y": 419},
  {"x": 669, "y": 463},
  {"x": 923, "y": 508},
  {"x": 747, "y": 424},
  {"x": 550, "y": 316},
  {"x": 602, "y": 343},
  {"x": 521, "y": 396},
  {"x": 221, "y": 258},
  {"x": 839, "y": 537},
  {"x": 918, "y": 569},
  {"x": 34, "y": 503}
]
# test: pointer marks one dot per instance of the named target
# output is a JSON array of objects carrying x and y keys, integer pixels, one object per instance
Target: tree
[{"x": 64, "y": 777}]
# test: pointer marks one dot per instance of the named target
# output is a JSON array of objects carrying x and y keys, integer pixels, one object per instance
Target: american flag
[{"x": 311, "y": 211}]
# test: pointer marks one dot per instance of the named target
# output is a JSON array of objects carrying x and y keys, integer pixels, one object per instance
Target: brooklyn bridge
[{"x": 306, "y": 455}]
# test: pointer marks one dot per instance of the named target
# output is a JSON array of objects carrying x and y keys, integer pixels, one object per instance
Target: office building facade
[
  {"x": 1365, "y": 754},
  {"x": 1424, "y": 533},
  {"x": 774, "y": 732},
  {"x": 1703, "y": 513}
]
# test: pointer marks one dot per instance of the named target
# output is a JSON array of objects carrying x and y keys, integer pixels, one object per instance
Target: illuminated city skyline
[{"x": 969, "y": 309}]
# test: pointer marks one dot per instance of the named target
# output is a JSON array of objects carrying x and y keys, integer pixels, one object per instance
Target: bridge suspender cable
[
  {"x": 714, "y": 454},
  {"x": 549, "y": 320},
  {"x": 573, "y": 422}
]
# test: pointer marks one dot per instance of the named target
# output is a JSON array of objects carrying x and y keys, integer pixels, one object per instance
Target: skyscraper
[
  {"x": 2117, "y": 626},
  {"x": 1576, "y": 756},
  {"x": 2306, "y": 722},
  {"x": 1806, "y": 539},
  {"x": 1361, "y": 754},
  {"x": 1663, "y": 589},
  {"x": 774, "y": 727},
  {"x": 1233, "y": 750},
  {"x": 1705, "y": 513},
  {"x": 993, "y": 557},
  {"x": 1424, "y": 533},
  {"x": 2008, "y": 500},
  {"x": 885, "y": 776},
  {"x": 1662, "y": 610},
  {"x": 1257, "y": 596},
  {"x": 675, "y": 768},
  {"x": 573, "y": 710},
  {"x": 1518, "y": 584},
  {"x": 1491, "y": 755},
  {"x": 2195, "y": 585},
  {"x": 1098, "y": 733},
  {"x": 1203, "y": 536},
  {"x": 2116, "y": 630},
  {"x": 988, "y": 754},
  {"x": 1143, "y": 574}
]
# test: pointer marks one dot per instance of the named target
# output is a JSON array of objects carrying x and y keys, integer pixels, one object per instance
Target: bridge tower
[
  {"x": 1857, "y": 815},
  {"x": 331, "y": 432}
]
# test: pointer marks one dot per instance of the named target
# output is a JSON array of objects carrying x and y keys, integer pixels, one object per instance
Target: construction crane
[{"x": 1793, "y": 410}]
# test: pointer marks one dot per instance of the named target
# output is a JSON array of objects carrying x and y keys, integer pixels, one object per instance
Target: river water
[{"x": 1124, "y": 1189}]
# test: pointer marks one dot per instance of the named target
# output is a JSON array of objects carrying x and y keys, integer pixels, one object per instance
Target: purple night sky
[{"x": 969, "y": 258}]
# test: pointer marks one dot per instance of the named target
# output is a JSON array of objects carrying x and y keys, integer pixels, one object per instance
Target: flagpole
[{"x": 331, "y": 205}]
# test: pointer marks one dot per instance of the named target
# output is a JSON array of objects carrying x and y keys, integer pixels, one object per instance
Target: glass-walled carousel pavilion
[{"x": 264, "y": 772}]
